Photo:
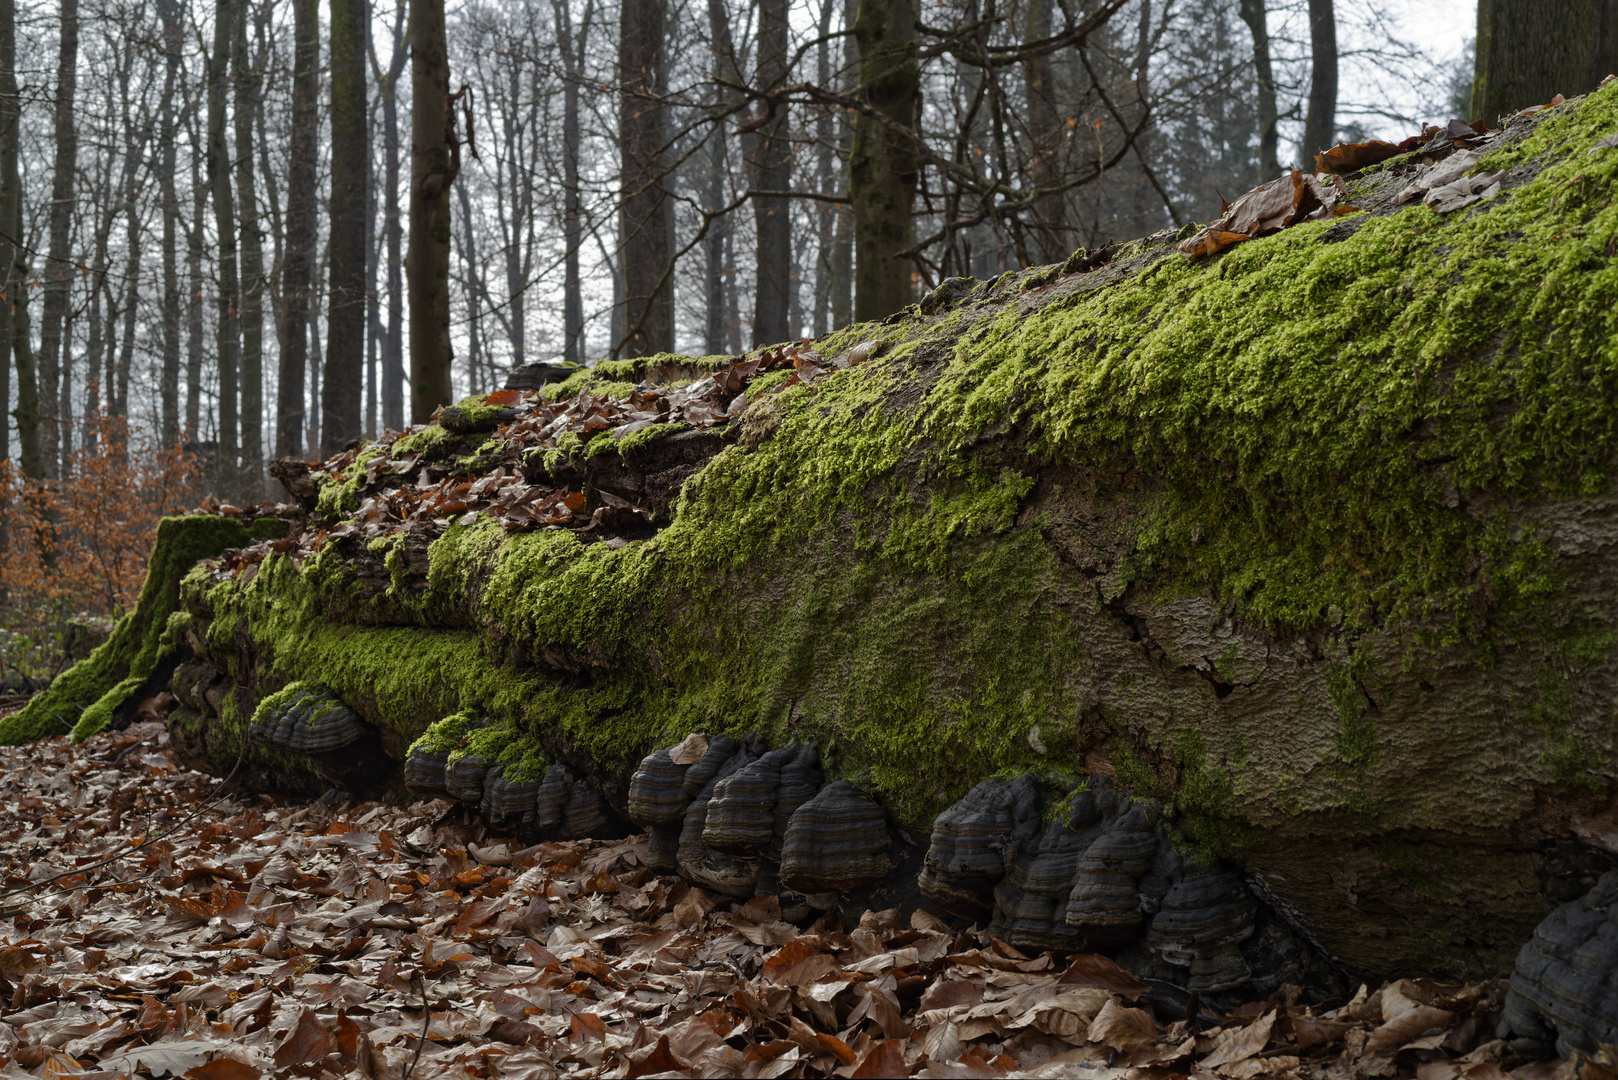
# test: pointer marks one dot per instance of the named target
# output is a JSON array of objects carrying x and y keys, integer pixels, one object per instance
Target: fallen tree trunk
[{"x": 1310, "y": 541}]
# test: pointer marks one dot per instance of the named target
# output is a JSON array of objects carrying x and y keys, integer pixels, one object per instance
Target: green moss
[
  {"x": 139, "y": 642},
  {"x": 421, "y": 441},
  {"x": 446, "y": 734},
  {"x": 635, "y": 441},
  {"x": 339, "y": 494},
  {"x": 765, "y": 384}
]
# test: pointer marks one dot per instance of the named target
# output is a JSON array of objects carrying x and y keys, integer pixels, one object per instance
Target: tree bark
[
  {"x": 645, "y": 210},
  {"x": 825, "y": 173},
  {"x": 252, "y": 267},
  {"x": 1528, "y": 51},
  {"x": 59, "y": 269},
  {"x": 718, "y": 284},
  {"x": 14, "y": 341},
  {"x": 433, "y": 164},
  {"x": 772, "y": 171},
  {"x": 1256, "y": 15},
  {"x": 228, "y": 332},
  {"x": 342, "y": 380},
  {"x": 169, "y": 379},
  {"x": 883, "y": 165},
  {"x": 392, "y": 230},
  {"x": 1053, "y": 235},
  {"x": 842, "y": 250},
  {"x": 572, "y": 198},
  {"x": 298, "y": 272},
  {"x": 194, "y": 245},
  {"x": 1320, "y": 123}
]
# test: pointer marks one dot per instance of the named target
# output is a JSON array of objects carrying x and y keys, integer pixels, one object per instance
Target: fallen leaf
[{"x": 1122, "y": 1028}]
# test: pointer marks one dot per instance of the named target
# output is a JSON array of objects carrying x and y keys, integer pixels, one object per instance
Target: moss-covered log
[
  {"x": 1311, "y": 540},
  {"x": 140, "y": 655}
]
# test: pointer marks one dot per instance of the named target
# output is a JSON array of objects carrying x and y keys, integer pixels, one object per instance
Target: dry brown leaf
[
  {"x": 1239, "y": 1044},
  {"x": 1123, "y": 1028},
  {"x": 1100, "y": 973},
  {"x": 1409, "y": 1024}
]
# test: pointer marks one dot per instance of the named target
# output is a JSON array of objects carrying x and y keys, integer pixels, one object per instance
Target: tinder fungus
[
  {"x": 342, "y": 748},
  {"x": 1030, "y": 903},
  {"x": 741, "y": 812},
  {"x": 972, "y": 843},
  {"x": 506, "y": 801},
  {"x": 836, "y": 842},
  {"x": 1564, "y": 990},
  {"x": 310, "y": 722},
  {"x": 1105, "y": 902},
  {"x": 656, "y": 791},
  {"x": 463, "y": 777},
  {"x": 424, "y": 772}
]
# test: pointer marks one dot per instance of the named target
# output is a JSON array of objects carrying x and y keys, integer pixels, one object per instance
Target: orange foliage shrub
[{"x": 79, "y": 545}]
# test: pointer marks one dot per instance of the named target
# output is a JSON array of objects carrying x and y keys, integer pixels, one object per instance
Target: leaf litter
[{"x": 157, "y": 927}]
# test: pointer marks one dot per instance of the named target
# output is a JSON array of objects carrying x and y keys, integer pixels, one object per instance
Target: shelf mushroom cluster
[
  {"x": 745, "y": 821},
  {"x": 1564, "y": 989},
  {"x": 312, "y": 723},
  {"x": 549, "y": 803},
  {"x": 1090, "y": 870}
]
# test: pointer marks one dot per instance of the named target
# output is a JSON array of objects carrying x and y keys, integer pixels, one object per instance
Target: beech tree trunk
[
  {"x": 59, "y": 268},
  {"x": 393, "y": 229},
  {"x": 1320, "y": 125},
  {"x": 433, "y": 165},
  {"x": 298, "y": 272},
  {"x": 228, "y": 333},
  {"x": 572, "y": 198},
  {"x": 13, "y": 257},
  {"x": 883, "y": 167},
  {"x": 645, "y": 211},
  {"x": 1256, "y": 15},
  {"x": 342, "y": 381},
  {"x": 772, "y": 171},
  {"x": 252, "y": 267},
  {"x": 1528, "y": 51},
  {"x": 169, "y": 379}
]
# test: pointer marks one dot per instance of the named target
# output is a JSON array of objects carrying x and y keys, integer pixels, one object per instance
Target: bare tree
[
  {"x": 228, "y": 332},
  {"x": 59, "y": 265},
  {"x": 350, "y": 164},
  {"x": 645, "y": 208},
  {"x": 435, "y": 161},
  {"x": 298, "y": 271}
]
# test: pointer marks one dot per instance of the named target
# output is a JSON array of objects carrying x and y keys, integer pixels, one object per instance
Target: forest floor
[{"x": 156, "y": 923}]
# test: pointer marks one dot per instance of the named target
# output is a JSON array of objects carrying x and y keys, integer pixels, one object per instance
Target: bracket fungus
[
  {"x": 1564, "y": 989},
  {"x": 313, "y": 724}
]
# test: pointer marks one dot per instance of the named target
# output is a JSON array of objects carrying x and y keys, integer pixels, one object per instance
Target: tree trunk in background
[
  {"x": 13, "y": 259},
  {"x": 193, "y": 315},
  {"x": 719, "y": 287},
  {"x": 474, "y": 291},
  {"x": 434, "y": 161},
  {"x": 1052, "y": 235},
  {"x": 341, "y": 380},
  {"x": 169, "y": 379},
  {"x": 645, "y": 209},
  {"x": 227, "y": 334},
  {"x": 252, "y": 256},
  {"x": 842, "y": 249},
  {"x": 1528, "y": 51},
  {"x": 393, "y": 230},
  {"x": 1320, "y": 125},
  {"x": 59, "y": 269},
  {"x": 297, "y": 273},
  {"x": 373, "y": 301},
  {"x": 1256, "y": 16},
  {"x": 573, "y": 205},
  {"x": 772, "y": 171},
  {"x": 883, "y": 165},
  {"x": 116, "y": 386},
  {"x": 825, "y": 173}
]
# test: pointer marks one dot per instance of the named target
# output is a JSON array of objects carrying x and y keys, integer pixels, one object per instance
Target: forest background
[{"x": 205, "y": 261}]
